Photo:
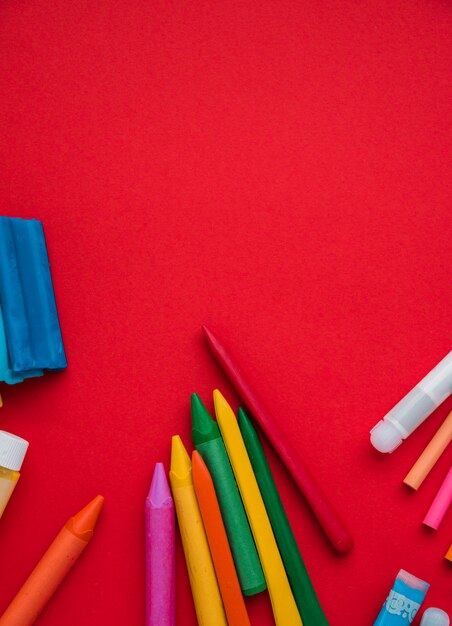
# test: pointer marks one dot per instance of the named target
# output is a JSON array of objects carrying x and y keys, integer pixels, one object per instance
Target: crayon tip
[
  {"x": 204, "y": 428},
  {"x": 83, "y": 523},
  {"x": 242, "y": 416},
  {"x": 180, "y": 462},
  {"x": 205, "y": 330},
  {"x": 199, "y": 467},
  {"x": 245, "y": 424},
  {"x": 159, "y": 494},
  {"x": 209, "y": 335},
  {"x": 222, "y": 407},
  {"x": 449, "y": 554}
]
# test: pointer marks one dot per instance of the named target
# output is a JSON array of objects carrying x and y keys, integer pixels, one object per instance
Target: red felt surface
[{"x": 279, "y": 170}]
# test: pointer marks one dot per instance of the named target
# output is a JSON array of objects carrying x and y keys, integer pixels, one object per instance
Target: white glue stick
[
  {"x": 414, "y": 408},
  {"x": 435, "y": 617}
]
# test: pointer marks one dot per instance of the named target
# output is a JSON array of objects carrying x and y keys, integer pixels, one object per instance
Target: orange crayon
[
  {"x": 449, "y": 554},
  {"x": 53, "y": 567},
  {"x": 234, "y": 604}
]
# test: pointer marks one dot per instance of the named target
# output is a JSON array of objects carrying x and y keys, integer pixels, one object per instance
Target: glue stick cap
[
  {"x": 12, "y": 451},
  {"x": 435, "y": 617},
  {"x": 385, "y": 437}
]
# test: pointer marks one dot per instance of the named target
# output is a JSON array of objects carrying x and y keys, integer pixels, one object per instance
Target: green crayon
[
  {"x": 209, "y": 443},
  {"x": 310, "y": 610}
]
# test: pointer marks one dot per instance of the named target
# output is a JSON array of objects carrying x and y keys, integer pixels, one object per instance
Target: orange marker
[
  {"x": 234, "y": 604},
  {"x": 53, "y": 567}
]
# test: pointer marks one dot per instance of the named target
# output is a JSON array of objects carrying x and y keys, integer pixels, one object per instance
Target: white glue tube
[
  {"x": 414, "y": 408},
  {"x": 435, "y": 617}
]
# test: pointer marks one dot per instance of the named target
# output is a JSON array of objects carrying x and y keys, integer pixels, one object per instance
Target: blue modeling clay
[
  {"x": 30, "y": 316},
  {"x": 6, "y": 373},
  {"x": 403, "y": 602}
]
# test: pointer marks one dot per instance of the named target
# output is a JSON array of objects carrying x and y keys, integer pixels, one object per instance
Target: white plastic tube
[
  {"x": 414, "y": 408},
  {"x": 435, "y": 617}
]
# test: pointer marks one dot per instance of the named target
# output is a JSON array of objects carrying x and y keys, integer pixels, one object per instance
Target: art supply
[
  {"x": 51, "y": 570},
  {"x": 329, "y": 520},
  {"x": 201, "y": 572},
  {"x": 228, "y": 581},
  {"x": 160, "y": 552},
  {"x": 308, "y": 605},
  {"x": 440, "y": 504},
  {"x": 435, "y": 617},
  {"x": 28, "y": 302},
  {"x": 12, "y": 454},
  {"x": 7, "y": 375},
  {"x": 431, "y": 454},
  {"x": 414, "y": 408},
  {"x": 449, "y": 554},
  {"x": 284, "y": 607},
  {"x": 209, "y": 443},
  {"x": 403, "y": 602}
]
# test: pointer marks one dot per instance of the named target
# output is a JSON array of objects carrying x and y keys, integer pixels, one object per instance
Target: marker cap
[
  {"x": 12, "y": 451},
  {"x": 435, "y": 617},
  {"x": 385, "y": 437}
]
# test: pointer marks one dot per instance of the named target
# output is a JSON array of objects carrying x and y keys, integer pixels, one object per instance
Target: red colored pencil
[
  {"x": 333, "y": 526},
  {"x": 234, "y": 604}
]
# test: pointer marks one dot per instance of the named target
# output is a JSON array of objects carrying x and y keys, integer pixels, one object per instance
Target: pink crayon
[
  {"x": 440, "y": 504},
  {"x": 160, "y": 552}
]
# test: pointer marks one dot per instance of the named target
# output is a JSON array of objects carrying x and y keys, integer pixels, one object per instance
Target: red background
[{"x": 276, "y": 169}]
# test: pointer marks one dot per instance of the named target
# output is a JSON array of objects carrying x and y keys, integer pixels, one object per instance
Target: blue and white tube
[{"x": 403, "y": 602}]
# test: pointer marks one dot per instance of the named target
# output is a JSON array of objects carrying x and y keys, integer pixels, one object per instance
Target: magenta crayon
[
  {"x": 160, "y": 552},
  {"x": 440, "y": 504}
]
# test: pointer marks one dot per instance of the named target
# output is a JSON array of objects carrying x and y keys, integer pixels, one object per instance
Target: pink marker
[
  {"x": 160, "y": 552},
  {"x": 440, "y": 504}
]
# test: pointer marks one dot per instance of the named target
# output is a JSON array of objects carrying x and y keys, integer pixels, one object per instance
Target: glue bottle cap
[
  {"x": 12, "y": 451},
  {"x": 385, "y": 437},
  {"x": 435, "y": 617}
]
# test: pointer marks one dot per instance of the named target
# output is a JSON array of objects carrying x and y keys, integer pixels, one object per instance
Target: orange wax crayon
[
  {"x": 53, "y": 567},
  {"x": 449, "y": 553},
  {"x": 234, "y": 604}
]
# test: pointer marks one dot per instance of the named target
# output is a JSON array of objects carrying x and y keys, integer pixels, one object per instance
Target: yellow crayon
[
  {"x": 285, "y": 610},
  {"x": 203, "y": 582}
]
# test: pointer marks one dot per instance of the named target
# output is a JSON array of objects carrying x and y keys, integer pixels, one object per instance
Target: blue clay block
[
  {"x": 12, "y": 301},
  {"x": 4, "y": 362},
  {"x": 30, "y": 316},
  {"x": 6, "y": 373}
]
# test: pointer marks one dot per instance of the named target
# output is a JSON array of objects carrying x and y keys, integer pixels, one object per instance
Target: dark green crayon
[
  {"x": 209, "y": 443},
  {"x": 310, "y": 610}
]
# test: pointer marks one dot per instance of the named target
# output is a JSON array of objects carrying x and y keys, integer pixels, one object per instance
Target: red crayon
[{"x": 329, "y": 520}]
